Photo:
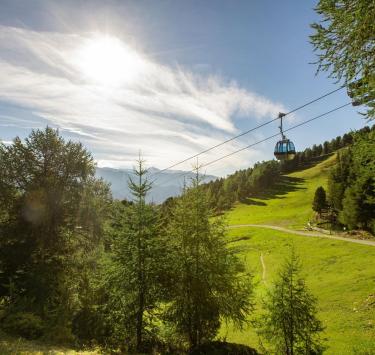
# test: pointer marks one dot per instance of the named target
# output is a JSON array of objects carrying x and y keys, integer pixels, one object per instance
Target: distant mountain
[{"x": 167, "y": 183}]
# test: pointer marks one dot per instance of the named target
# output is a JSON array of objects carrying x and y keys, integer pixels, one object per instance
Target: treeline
[
  {"x": 350, "y": 203},
  {"x": 224, "y": 192},
  {"x": 78, "y": 267},
  {"x": 305, "y": 157}
]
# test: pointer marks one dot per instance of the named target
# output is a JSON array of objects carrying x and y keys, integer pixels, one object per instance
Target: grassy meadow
[
  {"x": 339, "y": 273},
  {"x": 287, "y": 204}
]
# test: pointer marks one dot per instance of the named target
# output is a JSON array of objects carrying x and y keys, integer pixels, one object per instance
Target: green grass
[
  {"x": 17, "y": 346},
  {"x": 288, "y": 204},
  {"x": 340, "y": 274}
]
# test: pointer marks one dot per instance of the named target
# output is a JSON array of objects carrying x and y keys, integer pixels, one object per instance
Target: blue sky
[{"x": 181, "y": 76}]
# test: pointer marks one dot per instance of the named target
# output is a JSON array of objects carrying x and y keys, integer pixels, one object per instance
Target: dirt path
[
  {"x": 307, "y": 234},
  {"x": 263, "y": 268}
]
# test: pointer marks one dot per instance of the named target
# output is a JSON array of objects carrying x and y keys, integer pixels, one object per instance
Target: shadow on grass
[
  {"x": 238, "y": 239},
  {"x": 310, "y": 163},
  {"x": 285, "y": 185},
  {"x": 249, "y": 201}
]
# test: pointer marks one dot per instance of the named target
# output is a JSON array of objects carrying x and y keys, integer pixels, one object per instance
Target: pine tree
[
  {"x": 133, "y": 271},
  {"x": 320, "y": 202},
  {"x": 344, "y": 42},
  {"x": 290, "y": 324},
  {"x": 210, "y": 281},
  {"x": 351, "y": 183}
]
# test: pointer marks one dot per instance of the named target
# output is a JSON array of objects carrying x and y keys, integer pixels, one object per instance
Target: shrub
[
  {"x": 222, "y": 348},
  {"x": 59, "y": 334},
  {"x": 24, "y": 324}
]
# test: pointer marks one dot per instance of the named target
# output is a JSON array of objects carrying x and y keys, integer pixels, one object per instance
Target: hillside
[
  {"x": 340, "y": 274},
  {"x": 288, "y": 203}
]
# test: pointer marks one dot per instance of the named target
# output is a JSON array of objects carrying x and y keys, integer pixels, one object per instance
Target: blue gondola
[{"x": 284, "y": 149}]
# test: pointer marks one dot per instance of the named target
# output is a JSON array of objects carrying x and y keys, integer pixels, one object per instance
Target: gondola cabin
[{"x": 285, "y": 150}]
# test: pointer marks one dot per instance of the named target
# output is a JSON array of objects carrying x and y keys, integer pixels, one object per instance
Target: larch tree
[
  {"x": 289, "y": 323},
  {"x": 210, "y": 282},
  {"x": 344, "y": 40},
  {"x": 132, "y": 271}
]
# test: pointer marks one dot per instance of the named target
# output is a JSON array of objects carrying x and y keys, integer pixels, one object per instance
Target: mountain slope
[
  {"x": 288, "y": 204},
  {"x": 165, "y": 184},
  {"x": 339, "y": 273}
]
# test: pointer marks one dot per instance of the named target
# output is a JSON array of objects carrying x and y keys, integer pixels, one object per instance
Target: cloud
[
  {"x": 6, "y": 142},
  {"x": 167, "y": 112}
]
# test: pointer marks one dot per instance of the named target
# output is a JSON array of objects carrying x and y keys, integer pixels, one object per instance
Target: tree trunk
[{"x": 140, "y": 321}]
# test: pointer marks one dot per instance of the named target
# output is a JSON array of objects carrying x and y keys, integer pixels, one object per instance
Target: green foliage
[
  {"x": 320, "y": 201},
  {"x": 290, "y": 324},
  {"x": 209, "y": 280},
  {"x": 344, "y": 40},
  {"x": 52, "y": 212},
  {"x": 223, "y": 193},
  {"x": 132, "y": 276},
  {"x": 352, "y": 183},
  {"x": 338, "y": 179},
  {"x": 24, "y": 324},
  {"x": 132, "y": 268}
]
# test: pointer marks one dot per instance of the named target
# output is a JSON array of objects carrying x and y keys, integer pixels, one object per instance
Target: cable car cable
[
  {"x": 261, "y": 141},
  {"x": 248, "y": 131}
]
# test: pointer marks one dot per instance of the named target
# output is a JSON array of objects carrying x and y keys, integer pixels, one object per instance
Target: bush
[
  {"x": 24, "y": 324},
  {"x": 90, "y": 327},
  {"x": 223, "y": 348},
  {"x": 59, "y": 334}
]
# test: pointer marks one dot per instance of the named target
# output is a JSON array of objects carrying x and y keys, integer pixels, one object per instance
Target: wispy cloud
[
  {"x": 167, "y": 112},
  {"x": 6, "y": 142}
]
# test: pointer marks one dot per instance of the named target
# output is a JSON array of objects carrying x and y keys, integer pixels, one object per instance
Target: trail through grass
[{"x": 340, "y": 274}]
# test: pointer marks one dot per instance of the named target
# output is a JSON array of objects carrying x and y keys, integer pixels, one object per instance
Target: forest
[{"x": 78, "y": 267}]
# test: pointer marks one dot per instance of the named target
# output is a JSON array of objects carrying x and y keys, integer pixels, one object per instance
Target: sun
[{"x": 107, "y": 60}]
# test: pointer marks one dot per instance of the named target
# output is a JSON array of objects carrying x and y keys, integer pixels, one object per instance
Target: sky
[{"x": 167, "y": 78}]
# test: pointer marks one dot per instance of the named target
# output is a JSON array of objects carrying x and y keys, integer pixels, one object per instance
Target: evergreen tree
[
  {"x": 338, "y": 179},
  {"x": 358, "y": 204},
  {"x": 133, "y": 267},
  {"x": 210, "y": 281},
  {"x": 344, "y": 41},
  {"x": 53, "y": 211},
  {"x": 320, "y": 202},
  {"x": 290, "y": 324}
]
